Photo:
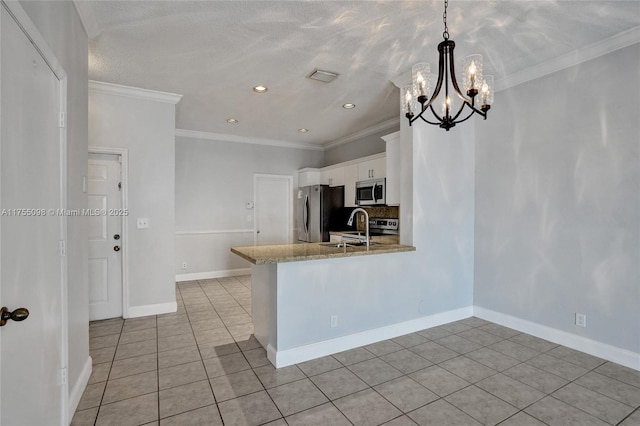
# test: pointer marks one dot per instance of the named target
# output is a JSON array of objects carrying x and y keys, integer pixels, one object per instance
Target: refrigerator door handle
[{"x": 306, "y": 215}]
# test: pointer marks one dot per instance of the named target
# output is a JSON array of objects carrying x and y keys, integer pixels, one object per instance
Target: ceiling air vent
[{"x": 323, "y": 76}]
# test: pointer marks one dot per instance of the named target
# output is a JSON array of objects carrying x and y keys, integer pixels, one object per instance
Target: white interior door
[
  {"x": 273, "y": 209},
  {"x": 31, "y": 266},
  {"x": 105, "y": 236}
]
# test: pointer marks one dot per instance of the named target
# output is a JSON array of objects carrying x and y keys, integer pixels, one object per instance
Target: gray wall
[
  {"x": 214, "y": 181},
  {"x": 369, "y": 145},
  {"x": 147, "y": 129},
  {"x": 59, "y": 24},
  {"x": 558, "y": 201}
]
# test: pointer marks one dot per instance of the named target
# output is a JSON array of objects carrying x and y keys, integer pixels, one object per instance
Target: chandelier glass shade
[{"x": 439, "y": 100}]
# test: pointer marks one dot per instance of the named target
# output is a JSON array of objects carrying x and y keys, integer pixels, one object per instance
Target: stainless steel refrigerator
[{"x": 316, "y": 204}]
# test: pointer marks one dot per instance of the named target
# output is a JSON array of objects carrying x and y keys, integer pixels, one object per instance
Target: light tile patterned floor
[{"x": 201, "y": 366}]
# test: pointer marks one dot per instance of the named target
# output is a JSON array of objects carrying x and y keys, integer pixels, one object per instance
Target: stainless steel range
[{"x": 379, "y": 226}]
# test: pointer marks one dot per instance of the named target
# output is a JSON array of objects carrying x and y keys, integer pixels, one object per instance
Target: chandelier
[{"x": 475, "y": 84}]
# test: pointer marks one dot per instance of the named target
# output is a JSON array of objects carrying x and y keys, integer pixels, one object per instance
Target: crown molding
[
  {"x": 133, "y": 92},
  {"x": 385, "y": 125},
  {"x": 592, "y": 51},
  {"x": 195, "y": 134},
  {"x": 87, "y": 17}
]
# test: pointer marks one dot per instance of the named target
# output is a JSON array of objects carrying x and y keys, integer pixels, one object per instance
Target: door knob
[
  {"x": 116, "y": 237},
  {"x": 258, "y": 231},
  {"x": 116, "y": 248},
  {"x": 19, "y": 314}
]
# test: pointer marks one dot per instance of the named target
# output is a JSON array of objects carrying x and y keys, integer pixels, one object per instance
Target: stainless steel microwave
[{"x": 371, "y": 192}]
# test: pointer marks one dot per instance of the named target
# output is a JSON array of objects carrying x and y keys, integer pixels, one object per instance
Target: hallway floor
[{"x": 202, "y": 366}]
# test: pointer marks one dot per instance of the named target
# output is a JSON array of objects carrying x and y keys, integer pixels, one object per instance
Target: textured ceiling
[{"x": 214, "y": 52}]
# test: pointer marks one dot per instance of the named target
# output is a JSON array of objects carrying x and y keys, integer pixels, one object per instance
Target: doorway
[
  {"x": 106, "y": 222},
  {"x": 273, "y": 198},
  {"x": 33, "y": 201}
]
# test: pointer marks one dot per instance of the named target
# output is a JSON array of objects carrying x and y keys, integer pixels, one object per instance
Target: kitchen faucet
[{"x": 350, "y": 221}]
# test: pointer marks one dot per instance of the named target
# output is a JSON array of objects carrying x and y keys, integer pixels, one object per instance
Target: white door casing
[
  {"x": 105, "y": 235},
  {"x": 33, "y": 353},
  {"x": 273, "y": 215}
]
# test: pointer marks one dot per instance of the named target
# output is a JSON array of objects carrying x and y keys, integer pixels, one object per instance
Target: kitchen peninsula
[{"x": 311, "y": 300}]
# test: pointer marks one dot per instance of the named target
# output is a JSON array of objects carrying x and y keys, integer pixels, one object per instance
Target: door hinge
[
  {"x": 62, "y": 376},
  {"x": 119, "y": 186},
  {"x": 62, "y": 248},
  {"x": 61, "y": 117}
]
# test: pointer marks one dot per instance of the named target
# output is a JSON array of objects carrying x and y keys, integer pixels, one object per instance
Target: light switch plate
[{"x": 143, "y": 222}]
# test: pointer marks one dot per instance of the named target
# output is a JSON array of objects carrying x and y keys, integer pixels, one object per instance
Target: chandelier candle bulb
[
  {"x": 421, "y": 74},
  {"x": 487, "y": 92}
]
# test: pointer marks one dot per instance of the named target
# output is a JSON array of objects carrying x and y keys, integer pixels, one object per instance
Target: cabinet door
[
  {"x": 350, "y": 178},
  {"x": 393, "y": 168},
  {"x": 308, "y": 177},
  {"x": 372, "y": 169},
  {"x": 333, "y": 177}
]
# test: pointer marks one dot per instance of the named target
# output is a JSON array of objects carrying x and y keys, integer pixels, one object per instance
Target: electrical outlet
[
  {"x": 581, "y": 320},
  {"x": 184, "y": 265},
  {"x": 334, "y": 321}
]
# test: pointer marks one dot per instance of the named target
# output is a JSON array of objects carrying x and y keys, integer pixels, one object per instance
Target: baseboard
[
  {"x": 592, "y": 347},
  {"x": 79, "y": 386},
  {"x": 145, "y": 310},
  {"x": 292, "y": 356},
  {"x": 212, "y": 274}
]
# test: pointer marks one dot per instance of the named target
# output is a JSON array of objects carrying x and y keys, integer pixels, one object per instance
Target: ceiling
[{"x": 214, "y": 52}]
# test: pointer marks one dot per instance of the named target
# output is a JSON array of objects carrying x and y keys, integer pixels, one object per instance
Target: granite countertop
[{"x": 260, "y": 255}]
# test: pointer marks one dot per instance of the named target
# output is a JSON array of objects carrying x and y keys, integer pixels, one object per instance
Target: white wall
[
  {"x": 558, "y": 201},
  {"x": 147, "y": 129},
  {"x": 59, "y": 24},
  {"x": 214, "y": 181}
]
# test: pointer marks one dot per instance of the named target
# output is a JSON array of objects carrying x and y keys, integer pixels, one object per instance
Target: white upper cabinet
[
  {"x": 350, "y": 178},
  {"x": 333, "y": 176},
  {"x": 372, "y": 169},
  {"x": 308, "y": 176},
  {"x": 393, "y": 168}
]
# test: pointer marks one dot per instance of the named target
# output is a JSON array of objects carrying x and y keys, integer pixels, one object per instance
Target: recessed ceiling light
[
  {"x": 349, "y": 106},
  {"x": 232, "y": 121},
  {"x": 260, "y": 89},
  {"x": 303, "y": 130}
]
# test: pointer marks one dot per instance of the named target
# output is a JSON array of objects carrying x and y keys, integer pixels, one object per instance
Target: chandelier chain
[{"x": 445, "y": 34}]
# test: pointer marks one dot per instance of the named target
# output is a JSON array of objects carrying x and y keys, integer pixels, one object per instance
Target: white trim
[
  {"x": 156, "y": 309},
  {"x": 592, "y": 51},
  {"x": 387, "y": 124},
  {"x": 124, "y": 177},
  {"x": 289, "y": 180},
  {"x": 87, "y": 18},
  {"x": 133, "y": 92},
  {"x": 214, "y": 231},
  {"x": 583, "y": 344},
  {"x": 31, "y": 31},
  {"x": 80, "y": 386},
  {"x": 209, "y": 275},
  {"x": 221, "y": 137},
  {"x": 327, "y": 347}
]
